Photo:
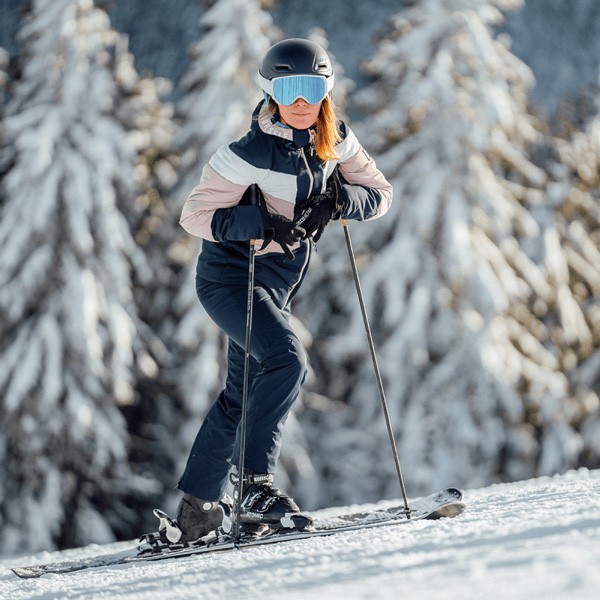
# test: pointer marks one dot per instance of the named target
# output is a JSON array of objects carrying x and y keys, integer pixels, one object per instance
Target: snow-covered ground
[{"x": 526, "y": 540}]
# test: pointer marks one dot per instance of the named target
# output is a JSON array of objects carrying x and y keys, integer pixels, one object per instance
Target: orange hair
[{"x": 328, "y": 132}]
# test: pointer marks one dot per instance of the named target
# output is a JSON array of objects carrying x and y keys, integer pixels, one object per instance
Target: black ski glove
[
  {"x": 320, "y": 209},
  {"x": 281, "y": 230}
]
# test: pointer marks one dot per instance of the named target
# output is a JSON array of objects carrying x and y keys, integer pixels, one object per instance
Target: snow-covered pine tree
[
  {"x": 4, "y": 81},
  {"x": 556, "y": 325},
  {"x": 154, "y": 416},
  {"x": 449, "y": 126},
  {"x": 3, "y": 78},
  {"x": 569, "y": 316},
  {"x": 220, "y": 87},
  {"x": 68, "y": 324}
]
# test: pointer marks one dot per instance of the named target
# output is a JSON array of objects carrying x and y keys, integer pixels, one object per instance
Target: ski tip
[{"x": 28, "y": 572}]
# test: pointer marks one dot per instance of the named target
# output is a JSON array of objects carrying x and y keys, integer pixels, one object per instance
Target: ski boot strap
[{"x": 250, "y": 478}]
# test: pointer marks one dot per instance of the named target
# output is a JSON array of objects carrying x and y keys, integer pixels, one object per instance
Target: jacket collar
[{"x": 299, "y": 137}]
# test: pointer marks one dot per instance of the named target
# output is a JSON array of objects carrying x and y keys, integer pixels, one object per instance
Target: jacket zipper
[
  {"x": 302, "y": 272},
  {"x": 310, "y": 175},
  {"x": 308, "y": 244}
]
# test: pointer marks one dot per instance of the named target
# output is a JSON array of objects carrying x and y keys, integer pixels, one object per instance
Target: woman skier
[{"x": 290, "y": 153}]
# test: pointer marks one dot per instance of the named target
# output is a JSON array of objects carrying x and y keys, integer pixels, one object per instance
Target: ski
[{"x": 447, "y": 503}]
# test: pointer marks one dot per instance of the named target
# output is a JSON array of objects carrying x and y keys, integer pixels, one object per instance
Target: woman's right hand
[{"x": 283, "y": 231}]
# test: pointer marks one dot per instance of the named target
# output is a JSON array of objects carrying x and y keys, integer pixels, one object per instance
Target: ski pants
[{"x": 277, "y": 371}]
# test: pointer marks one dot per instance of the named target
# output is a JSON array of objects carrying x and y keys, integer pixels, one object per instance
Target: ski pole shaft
[
  {"x": 384, "y": 403},
  {"x": 242, "y": 455}
]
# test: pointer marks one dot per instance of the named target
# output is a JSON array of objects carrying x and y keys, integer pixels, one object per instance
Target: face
[{"x": 300, "y": 114}]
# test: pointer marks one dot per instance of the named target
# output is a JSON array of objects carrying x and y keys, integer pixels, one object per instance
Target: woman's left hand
[{"x": 320, "y": 209}]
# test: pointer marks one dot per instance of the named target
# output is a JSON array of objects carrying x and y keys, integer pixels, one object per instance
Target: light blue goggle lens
[{"x": 312, "y": 88}]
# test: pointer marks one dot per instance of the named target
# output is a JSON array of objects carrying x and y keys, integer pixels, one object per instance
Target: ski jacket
[{"x": 284, "y": 165}]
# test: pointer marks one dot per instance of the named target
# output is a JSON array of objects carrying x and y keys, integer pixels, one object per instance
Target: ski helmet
[{"x": 296, "y": 68}]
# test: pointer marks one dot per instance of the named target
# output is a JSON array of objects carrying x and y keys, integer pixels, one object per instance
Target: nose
[{"x": 300, "y": 102}]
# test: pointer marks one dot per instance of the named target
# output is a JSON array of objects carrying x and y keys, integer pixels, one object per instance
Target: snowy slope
[{"x": 526, "y": 540}]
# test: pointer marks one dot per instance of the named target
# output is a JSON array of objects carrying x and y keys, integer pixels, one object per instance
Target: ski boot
[
  {"x": 263, "y": 505},
  {"x": 197, "y": 523},
  {"x": 197, "y": 518}
]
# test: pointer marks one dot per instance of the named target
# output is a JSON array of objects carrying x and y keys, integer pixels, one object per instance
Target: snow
[{"x": 526, "y": 540}]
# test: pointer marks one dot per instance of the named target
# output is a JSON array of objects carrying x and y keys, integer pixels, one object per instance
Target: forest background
[{"x": 482, "y": 283}]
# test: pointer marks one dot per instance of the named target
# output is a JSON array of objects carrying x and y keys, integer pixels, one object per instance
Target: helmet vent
[{"x": 283, "y": 67}]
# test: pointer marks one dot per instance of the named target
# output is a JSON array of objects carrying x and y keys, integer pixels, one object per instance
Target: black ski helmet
[{"x": 295, "y": 56}]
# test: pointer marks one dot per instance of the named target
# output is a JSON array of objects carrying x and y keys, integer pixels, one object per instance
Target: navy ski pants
[{"x": 277, "y": 371}]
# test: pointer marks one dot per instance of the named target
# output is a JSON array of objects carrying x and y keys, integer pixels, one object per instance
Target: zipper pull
[{"x": 312, "y": 134}]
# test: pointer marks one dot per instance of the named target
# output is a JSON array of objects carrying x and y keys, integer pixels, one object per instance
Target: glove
[
  {"x": 316, "y": 215},
  {"x": 320, "y": 209},
  {"x": 281, "y": 230}
]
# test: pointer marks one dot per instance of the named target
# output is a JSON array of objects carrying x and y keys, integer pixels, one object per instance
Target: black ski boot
[
  {"x": 197, "y": 518},
  {"x": 263, "y": 504}
]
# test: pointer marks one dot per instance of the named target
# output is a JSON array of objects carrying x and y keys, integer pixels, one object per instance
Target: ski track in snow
[{"x": 526, "y": 540}]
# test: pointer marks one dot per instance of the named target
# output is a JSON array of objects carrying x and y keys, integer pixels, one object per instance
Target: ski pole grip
[
  {"x": 253, "y": 192},
  {"x": 253, "y": 196}
]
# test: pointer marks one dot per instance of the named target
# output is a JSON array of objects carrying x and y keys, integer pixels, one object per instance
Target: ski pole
[
  {"x": 249, "y": 310},
  {"x": 384, "y": 404}
]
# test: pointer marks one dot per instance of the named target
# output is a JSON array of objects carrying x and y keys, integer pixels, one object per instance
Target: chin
[{"x": 303, "y": 124}]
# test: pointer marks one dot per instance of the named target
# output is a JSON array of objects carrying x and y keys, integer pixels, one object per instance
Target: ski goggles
[{"x": 286, "y": 90}]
